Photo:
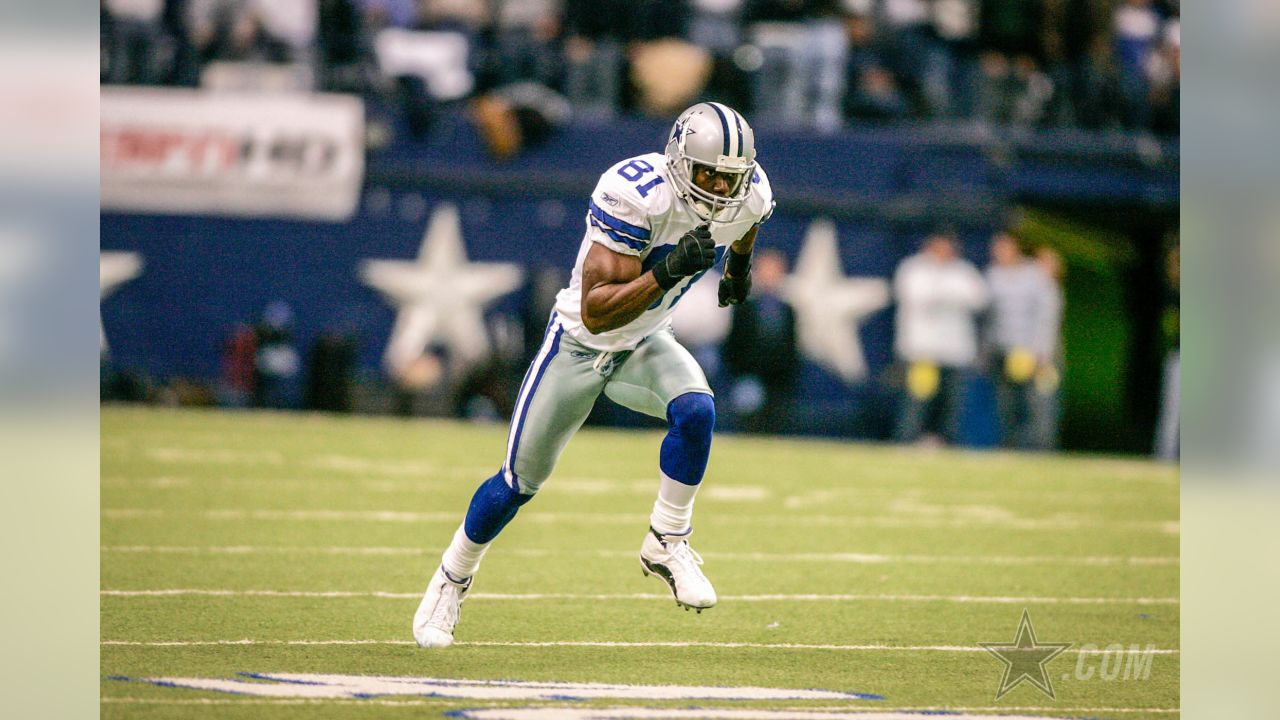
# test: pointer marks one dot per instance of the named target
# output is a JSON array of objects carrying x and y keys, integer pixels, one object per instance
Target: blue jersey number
[{"x": 637, "y": 169}]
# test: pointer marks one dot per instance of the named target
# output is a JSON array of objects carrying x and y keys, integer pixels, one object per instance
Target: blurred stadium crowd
[{"x": 1096, "y": 64}]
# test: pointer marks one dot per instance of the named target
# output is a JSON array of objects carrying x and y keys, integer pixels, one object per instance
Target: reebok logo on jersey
[{"x": 607, "y": 198}]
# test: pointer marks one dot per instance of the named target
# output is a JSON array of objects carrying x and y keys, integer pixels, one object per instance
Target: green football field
[{"x": 259, "y": 565}]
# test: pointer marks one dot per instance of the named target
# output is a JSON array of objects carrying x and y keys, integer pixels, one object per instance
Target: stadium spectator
[
  {"x": 716, "y": 25},
  {"x": 932, "y": 52},
  {"x": 1136, "y": 27},
  {"x": 329, "y": 373},
  {"x": 938, "y": 294},
  {"x": 761, "y": 351},
  {"x": 1022, "y": 328},
  {"x": 1164, "y": 77},
  {"x": 526, "y": 35},
  {"x": 1011, "y": 34},
  {"x": 873, "y": 92},
  {"x": 1047, "y": 385},
  {"x": 344, "y": 62},
  {"x": 596, "y": 32},
  {"x": 1168, "y": 428},
  {"x": 1077, "y": 53},
  {"x": 239, "y": 353},
  {"x": 137, "y": 40},
  {"x": 798, "y": 63},
  {"x": 276, "y": 365},
  {"x": 519, "y": 115},
  {"x": 804, "y": 47}
]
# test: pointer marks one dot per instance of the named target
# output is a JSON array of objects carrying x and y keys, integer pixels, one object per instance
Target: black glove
[
  {"x": 736, "y": 283},
  {"x": 695, "y": 252}
]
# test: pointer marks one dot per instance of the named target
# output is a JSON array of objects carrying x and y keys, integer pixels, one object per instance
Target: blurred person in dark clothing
[
  {"x": 596, "y": 33},
  {"x": 1078, "y": 57},
  {"x": 872, "y": 90},
  {"x": 135, "y": 34},
  {"x": 329, "y": 374},
  {"x": 526, "y": 38},
  {"x": 760, "y": 351},
  {"x": 1011, "y": 37},
  {"x": 1136, "y": 29},
  {"x": 239, "y": 362},
  {"x": 277, "y": 363},
  {"x": 804, "y": 47}
]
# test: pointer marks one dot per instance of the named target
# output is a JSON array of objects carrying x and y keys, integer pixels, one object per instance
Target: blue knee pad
[
  {"x": 492, "y": 507},
  {"x": 691, "y": 418}
]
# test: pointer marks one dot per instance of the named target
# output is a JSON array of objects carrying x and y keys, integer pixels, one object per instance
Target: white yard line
[
  {"x": 852, "y": 558},
  {"x": 601, "y": 644},
  {"x": 1170, "y": 527},
  {"x": 976, "y": 599},
  {"x": 452, "y": 701}
]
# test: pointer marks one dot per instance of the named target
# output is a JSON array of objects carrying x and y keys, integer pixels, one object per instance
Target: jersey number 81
[{"x": 637, "y": 169}]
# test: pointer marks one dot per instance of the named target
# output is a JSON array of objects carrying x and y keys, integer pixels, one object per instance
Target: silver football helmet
[{"x": 716, "y": 136}]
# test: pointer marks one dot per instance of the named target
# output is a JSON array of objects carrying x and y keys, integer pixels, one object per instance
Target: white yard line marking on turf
[
  {"x": 853, "y": 558},
  {"x": 220, "y": 455},
  {"x": 642, "y": 713},
  {"x": 420, "y": 702},
  {"x": 607, "y": 644},
  {"x": 123, "y": 700},
  {"x": 979, "y": 599},
  {"x": 340, "y": 686},
  {"x": 1170, "y": 527}
]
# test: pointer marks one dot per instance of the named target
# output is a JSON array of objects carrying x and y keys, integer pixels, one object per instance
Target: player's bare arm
[
  {"x": 626, "y": 293},
  {"x": 615, "y": 291},
  {"x": 745, "y": 244}
]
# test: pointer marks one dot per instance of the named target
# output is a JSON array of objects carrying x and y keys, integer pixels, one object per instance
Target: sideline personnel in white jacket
[{"x": 938, "y": 294}]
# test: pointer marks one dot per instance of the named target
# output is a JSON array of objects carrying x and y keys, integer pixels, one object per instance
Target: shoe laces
[
  {"x": 445, "y": 613},
  {"x": 686, "y": 556}
]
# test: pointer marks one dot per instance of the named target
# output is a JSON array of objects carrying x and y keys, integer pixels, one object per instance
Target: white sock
[
  {"x": 462, "y": 558},
  {"x": 673, "y": 510}
]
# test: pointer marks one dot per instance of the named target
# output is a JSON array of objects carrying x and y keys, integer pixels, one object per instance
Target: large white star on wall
[
  {"x": 114, "y": 270},
  {"x": 829, "y": 306},
  {"x": 439, "y": 294}
]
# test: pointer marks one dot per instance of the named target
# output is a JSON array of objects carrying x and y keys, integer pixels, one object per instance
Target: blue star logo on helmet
[{"x": 681, "y": 130}]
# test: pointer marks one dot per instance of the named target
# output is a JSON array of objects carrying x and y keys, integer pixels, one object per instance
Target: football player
[{"x": 655, "y": 224}]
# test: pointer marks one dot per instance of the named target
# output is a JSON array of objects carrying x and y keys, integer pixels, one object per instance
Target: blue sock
[
  {"x": 492, "y": 507},
  {"x": 690, "y": 421}
]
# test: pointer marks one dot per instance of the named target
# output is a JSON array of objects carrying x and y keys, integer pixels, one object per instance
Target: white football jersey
[{"x": 634, "y": 210}]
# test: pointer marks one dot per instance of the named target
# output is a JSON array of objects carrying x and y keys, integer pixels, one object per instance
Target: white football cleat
[
  {"x": 670, "y": 558},
  {"x": 438, "y": 613}
]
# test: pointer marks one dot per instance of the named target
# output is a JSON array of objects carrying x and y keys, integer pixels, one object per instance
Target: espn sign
[{"x": 221, "y": 153}]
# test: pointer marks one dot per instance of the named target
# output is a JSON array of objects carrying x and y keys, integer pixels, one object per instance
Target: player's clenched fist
[{"x": 695, "y": 252}]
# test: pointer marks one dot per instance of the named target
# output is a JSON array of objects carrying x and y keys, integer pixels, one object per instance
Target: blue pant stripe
[{"x": 509, "y": 468}]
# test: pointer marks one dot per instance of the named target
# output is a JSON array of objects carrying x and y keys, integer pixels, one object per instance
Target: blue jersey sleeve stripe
[
  {"x": 618, "y": 237},
  {"x": 620, "y": 225}
]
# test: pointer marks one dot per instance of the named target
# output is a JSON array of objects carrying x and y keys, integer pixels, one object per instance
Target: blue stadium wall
[{"x": 883, "y": 188}]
